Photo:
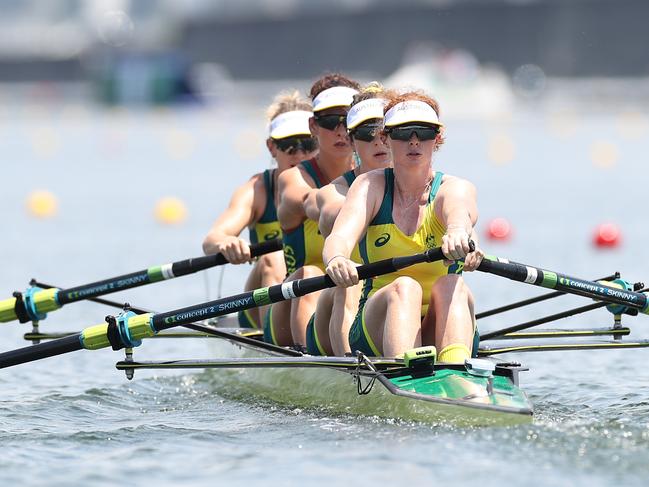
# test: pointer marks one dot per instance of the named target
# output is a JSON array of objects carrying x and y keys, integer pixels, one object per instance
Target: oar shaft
[
  {"x": 561, "y": 282},
  {"x": 35, "y": 303},
  {"x": 134, "y": 328},
  {"x": 43, "y": 350},
  {"x": 156, "y": 273}
]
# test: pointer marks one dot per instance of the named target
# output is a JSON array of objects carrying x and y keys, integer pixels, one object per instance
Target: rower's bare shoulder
[
  {"x": 374, "y": 179},
  {"x": 456, "y": 185},
  {"x": 295, "y": 175}
]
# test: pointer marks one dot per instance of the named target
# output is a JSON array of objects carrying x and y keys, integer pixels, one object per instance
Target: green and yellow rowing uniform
[
  {"x": 267, "y": 228},
  {"x": 383, "y": 240},
  {"x": 303, "y": 244}
]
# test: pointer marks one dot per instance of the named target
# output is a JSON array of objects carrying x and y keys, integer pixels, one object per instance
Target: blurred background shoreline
[{"x": 481, "y": 57}]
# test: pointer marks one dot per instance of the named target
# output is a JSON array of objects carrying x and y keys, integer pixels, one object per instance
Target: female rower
[
  {"x": 402, "y": 211},
  {"x": 253, "y": 204},
  {"x": 328, "y": 329},
  {"x": 332, "y": 94}
]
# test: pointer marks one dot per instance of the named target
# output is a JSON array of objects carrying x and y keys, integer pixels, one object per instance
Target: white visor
[
  {"x": 290, "y": 123},
  {"x": 411, "y": 111},
  {"x": 364, "y": 111},
  {"x": 338, "y": 96}
]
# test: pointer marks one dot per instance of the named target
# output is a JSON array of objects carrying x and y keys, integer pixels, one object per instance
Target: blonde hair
[
  {"x": 287, "y": 101},
  {"x": 373, "y": 89}
]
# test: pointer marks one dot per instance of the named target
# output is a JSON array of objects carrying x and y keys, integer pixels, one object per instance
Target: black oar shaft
[
  {"x": 155, "y": 274},
  {"x": 534, "y": 300},
  {"x": 146, "y": 325},
  {"x": 42, "y": 350},
  {"x": 561, "y": 282}
]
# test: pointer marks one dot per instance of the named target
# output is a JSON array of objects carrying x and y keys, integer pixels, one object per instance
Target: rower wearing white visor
[
  {"x": 331, "y": 95},
  {"x": 328, "y": 329},
  {"x": 401, "y": 211},
  {"x": 253, "y": 204}
]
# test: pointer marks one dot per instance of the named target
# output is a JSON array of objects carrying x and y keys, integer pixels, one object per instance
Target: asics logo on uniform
[{"x": 382, "y": 240}]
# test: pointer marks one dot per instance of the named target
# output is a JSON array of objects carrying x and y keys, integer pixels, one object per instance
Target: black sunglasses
[
  {"x": 291, "y": 145},
  {"x": 366, "y": 133},
  {"x": 405, "y": 132},
  {"x": 330, "y": 122}
]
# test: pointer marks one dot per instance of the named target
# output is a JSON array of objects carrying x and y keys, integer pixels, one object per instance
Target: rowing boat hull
[{"x": 450, "y": 396}]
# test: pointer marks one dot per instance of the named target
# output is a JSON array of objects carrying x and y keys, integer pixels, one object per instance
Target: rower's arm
[
  {"x": 311, "y": 207},
  {"x": 293, "y": 191},
  {"x": 457, "y": 209},
  {"x": 330, "y": 199},
  {"x": 242, "y": 211},
  {"x": 456, "y": 204},
  {"x": 360, "y": 206}
]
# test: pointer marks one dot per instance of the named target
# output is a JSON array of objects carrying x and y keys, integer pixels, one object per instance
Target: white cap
[
  {"x": 364, "y": 111},
  {"x": 290, "y": 123},
  {"x": 411, "y": 111},
  {"x": 338, "y": 96}
]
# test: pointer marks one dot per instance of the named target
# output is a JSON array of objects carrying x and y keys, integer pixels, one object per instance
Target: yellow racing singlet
[
  {"x": 267, "y": 228},
  {"x": 384, "y": 240},
  {"x": 303, "y": 245}
]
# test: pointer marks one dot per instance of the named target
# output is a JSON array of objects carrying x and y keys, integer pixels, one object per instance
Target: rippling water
[{"x": 74, "y": 419}]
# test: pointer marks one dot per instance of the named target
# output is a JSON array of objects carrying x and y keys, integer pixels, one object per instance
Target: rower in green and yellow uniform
[
  {"x": 253, "y": 204},
  {"x": 328, "y": 329},
  {"x": 403, "y": 211},
  {"x": 331, "y": 95}
]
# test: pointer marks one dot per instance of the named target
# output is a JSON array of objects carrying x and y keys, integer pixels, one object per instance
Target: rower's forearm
[
  {"x": 212, "y": 241},
  {"x": 328, "y": 214},
  {"x": 460, "y": 218},
  {"x": 311, "y": 206},
  {"x": 335, "y": 245}
]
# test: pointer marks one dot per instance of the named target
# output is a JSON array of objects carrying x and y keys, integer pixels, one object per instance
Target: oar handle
[
  {"x": 561, "y": 282},
  {"x": 189, "y": 266}
]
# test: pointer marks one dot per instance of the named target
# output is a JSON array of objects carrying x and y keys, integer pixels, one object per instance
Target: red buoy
[
  {"x": 607, "y": 235},
  {"x": 499, "y": 229}
]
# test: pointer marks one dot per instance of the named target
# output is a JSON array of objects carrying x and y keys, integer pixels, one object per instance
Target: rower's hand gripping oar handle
[
  {"x": 189, "y": 266},
  {"x": 561, "y": 282}
]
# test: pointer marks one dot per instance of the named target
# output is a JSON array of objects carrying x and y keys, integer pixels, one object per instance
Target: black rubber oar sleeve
[{"x": 189, "y": 266}]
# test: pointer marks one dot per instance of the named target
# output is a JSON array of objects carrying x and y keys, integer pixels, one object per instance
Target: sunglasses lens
[
  {"x": 293, "y": 144},
  {"x": 330, "y": 122},
  {"x": 405, "y": 133},
  {"x": 365, "y": 133}
]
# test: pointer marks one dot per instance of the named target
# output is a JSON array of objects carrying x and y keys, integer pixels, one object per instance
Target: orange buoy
[
  {"x": 607, "y": 235},
  {"x": 499, "y": 229}
]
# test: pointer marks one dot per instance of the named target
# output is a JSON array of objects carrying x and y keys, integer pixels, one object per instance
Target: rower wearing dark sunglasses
[
  {"x": 403, "y": 211},
  {"x": 253, "y": 204},
  {"x": 328, "y": 329},
  {"x": 286, "y": 322}
]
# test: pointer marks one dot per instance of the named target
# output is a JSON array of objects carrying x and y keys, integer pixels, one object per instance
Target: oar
[
  {"x": 560, "y": 282},
  {"x": 36, "y": 302},
  {"x": 129, "y": 329},
  {"x": 534, "y": 300}
]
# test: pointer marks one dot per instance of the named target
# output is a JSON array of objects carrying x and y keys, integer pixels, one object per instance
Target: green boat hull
[{"x": 450, "y": 395}]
